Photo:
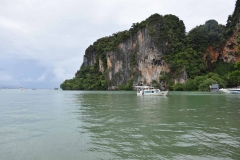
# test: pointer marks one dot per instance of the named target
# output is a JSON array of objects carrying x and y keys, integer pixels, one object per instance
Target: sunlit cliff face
[{"x": 148, "y": 62}]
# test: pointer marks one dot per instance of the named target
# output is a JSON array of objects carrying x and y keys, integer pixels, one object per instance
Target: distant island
[{"x": 159, "y": 52}]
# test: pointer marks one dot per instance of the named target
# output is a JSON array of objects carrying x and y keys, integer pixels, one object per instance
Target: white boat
[
  {"x": 150, "y": 91},
  {"x": 230, "y": 90}
]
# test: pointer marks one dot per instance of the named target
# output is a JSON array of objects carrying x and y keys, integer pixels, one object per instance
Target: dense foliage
[
  {"x": 200, "y": 83},
  {"x": 189, "y": 55},
  {"x": 234, "y": 76},
  {"x": 88, "y": 78}
]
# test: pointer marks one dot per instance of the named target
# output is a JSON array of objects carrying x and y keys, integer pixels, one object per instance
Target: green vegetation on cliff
[
  {"x": 88, "y": 78},
  {"x": 189, "y": 54}
]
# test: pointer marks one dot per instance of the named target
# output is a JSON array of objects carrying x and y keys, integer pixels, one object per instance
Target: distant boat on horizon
[
  {"x": 22, "y": 89},
  {"x": 55, "y": 88}
]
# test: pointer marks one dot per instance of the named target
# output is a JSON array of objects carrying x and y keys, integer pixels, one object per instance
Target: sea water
[{"x": 60, "y": 125}]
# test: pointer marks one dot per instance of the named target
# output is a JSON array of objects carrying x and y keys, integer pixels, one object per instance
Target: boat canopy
[{"x": 144, "y": 87}]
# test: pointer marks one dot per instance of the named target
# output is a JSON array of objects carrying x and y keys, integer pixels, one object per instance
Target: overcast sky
[{"x": 42, "y": 42}]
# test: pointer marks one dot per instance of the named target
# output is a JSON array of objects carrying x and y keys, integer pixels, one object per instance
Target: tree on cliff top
[{"x": 233, "y": 20}]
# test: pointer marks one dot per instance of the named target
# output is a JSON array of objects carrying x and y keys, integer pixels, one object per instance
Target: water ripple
[{"x": 119, "y": 125}]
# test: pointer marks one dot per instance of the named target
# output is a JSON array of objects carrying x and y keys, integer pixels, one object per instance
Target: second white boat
[{"x": 230, "y": 90}]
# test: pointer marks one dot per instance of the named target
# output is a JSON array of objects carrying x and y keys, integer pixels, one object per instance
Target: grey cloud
[{"x": 54, "y": 34}]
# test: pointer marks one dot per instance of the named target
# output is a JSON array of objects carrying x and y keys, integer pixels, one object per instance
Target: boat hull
[
  {"x": 150, "y": 91},
  {"x": 161, "y": 93},
  {"x": 231, "y": 90}
]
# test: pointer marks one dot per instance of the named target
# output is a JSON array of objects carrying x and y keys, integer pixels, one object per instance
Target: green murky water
[{"x": 59, "y": 125}]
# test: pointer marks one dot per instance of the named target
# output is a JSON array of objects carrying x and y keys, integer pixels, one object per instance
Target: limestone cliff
[
  {"x": 136, "y": 58},
  {"x": 139, "y": 58}
]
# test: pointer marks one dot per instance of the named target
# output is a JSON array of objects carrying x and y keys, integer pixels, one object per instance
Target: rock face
[
  {"x": 230, "y": 50},
  {"x": 137, "y": 59},
  {"x": 227, "y": 53},
  {"x": 89, "y": 59}
]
